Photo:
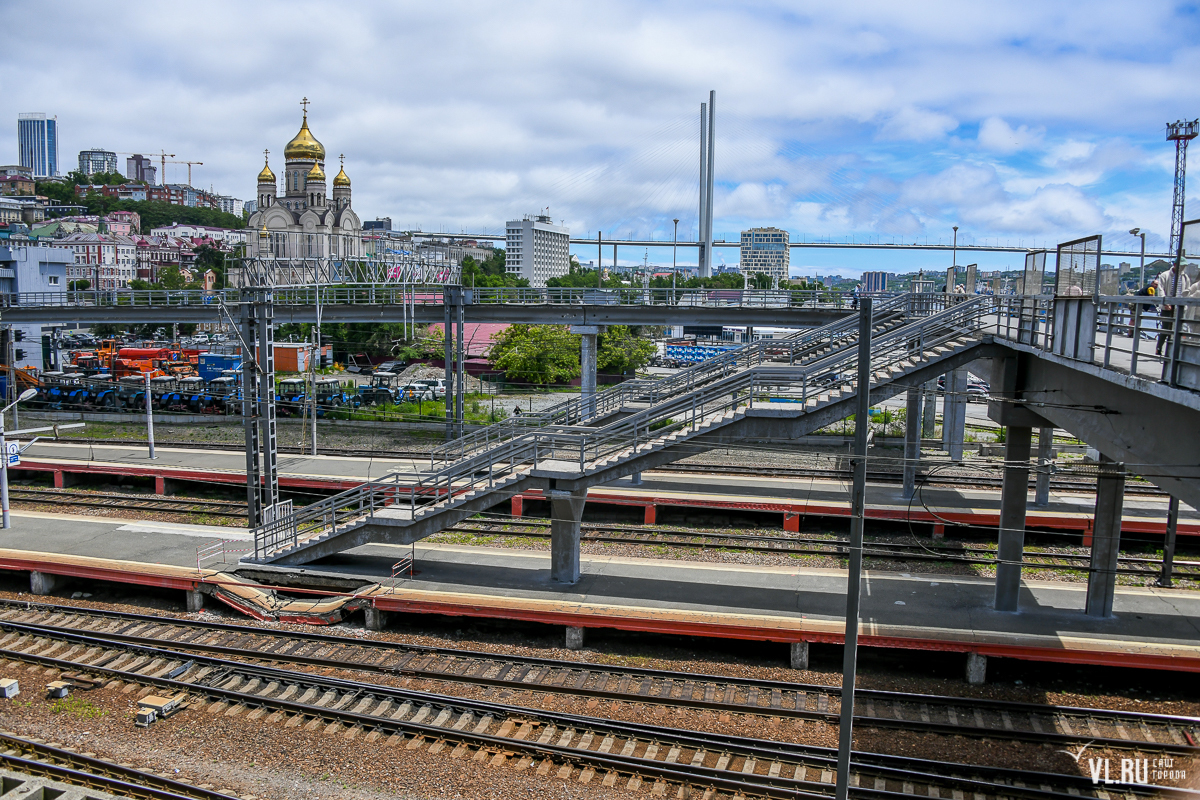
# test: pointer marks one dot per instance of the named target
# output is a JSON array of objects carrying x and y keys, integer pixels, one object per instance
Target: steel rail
[
  {"x": 125, "y": 503},
  {"x": 419, "y": 663},
  {"x": 90, "y": 772},
  {"x": 627, "y": 534},
  {"x": 1017, "y": 783}
]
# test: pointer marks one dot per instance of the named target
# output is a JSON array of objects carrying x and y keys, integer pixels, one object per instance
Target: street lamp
[
  {"x": 1141, "y": 233},
  {"x": 954, "y": 260},
  {"x": 674, "y": 250},
  {"x": 28, "y": 394}
]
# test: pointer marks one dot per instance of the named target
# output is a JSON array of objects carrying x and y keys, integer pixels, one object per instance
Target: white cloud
[
  {"x": 997, "y": 135},
  {"x": 917, "y": 125},
  {"x": 465, "y": 114}
]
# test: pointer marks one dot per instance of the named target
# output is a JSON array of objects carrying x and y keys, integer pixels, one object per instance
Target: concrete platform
[
  {"x": 1152, "y": 628},
  {"x": 792, "y": 498}
]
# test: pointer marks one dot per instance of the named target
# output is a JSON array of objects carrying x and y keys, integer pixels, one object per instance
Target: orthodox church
[{"x": 304, "y": 221}]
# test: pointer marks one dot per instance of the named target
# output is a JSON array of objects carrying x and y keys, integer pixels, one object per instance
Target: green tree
[
  {"x": 536, "y": 353},
  {"x": 583, "y": 279},
  {"x": 209, "y": 257},
  {"x": 622, "y": 350},
  {"x": 489, "y": 273}
]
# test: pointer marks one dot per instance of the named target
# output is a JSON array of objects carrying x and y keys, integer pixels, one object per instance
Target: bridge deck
[{"x": 1153, "y": 628}]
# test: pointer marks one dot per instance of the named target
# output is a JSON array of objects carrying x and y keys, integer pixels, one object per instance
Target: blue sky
[{"x": 1021, "y": 122}]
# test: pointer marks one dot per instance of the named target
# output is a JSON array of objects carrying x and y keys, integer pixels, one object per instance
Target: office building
[
  {"x": 765, "y": 251},
  {"x": 138, "y": 168},
  {"x": 97, "y": 160},
  {"x": 874, "y": 282},
  {"x": 378, "y": 224},
  {"x": 536, "y": 249},
  {"x": 37, "y": 144},
  {"x": 29, "y": 269}
]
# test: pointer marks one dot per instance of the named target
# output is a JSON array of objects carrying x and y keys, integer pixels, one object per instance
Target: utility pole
[
  {"x": 858, "y": 501},
  {"x": 674, "y": 251},
  {"x": 599, "y": 260}
]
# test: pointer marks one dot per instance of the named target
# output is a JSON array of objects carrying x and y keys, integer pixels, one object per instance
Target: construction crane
[{"x": 163, "y": 157}]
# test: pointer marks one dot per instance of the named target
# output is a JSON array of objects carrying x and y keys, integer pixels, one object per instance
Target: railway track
[
  {"x": 126, "y": 502},
  {"x": 799, "y": 544},
  {"x": 988, "y": 481},
  {"x": 802, "y": 703},
  {"x": 569, "y": 746},
  {"x": 38, "y": 759}
]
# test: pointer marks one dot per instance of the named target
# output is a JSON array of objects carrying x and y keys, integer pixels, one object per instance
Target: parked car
[
  {"x": 414, "y": 392},
  {"x": 436, "y": 385}
]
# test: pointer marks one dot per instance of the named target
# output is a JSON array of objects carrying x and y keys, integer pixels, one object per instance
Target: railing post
[
  {"x": 1137, "y": 338},
  {"x": 1108, "y": 334}
]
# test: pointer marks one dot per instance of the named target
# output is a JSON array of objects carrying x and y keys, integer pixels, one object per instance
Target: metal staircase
[
  {"x": 796, "y": 349},
  {"x": 404, "y": 508}
]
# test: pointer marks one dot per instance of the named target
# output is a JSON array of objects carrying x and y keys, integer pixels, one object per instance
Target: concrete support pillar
[
  {"x": 1041, "y": 497},
  {"x": 1106, "y": 538},
  {"x": 566, "y": 511},
  {"x": 799, "y": 655},
  {"x": 1014, "y": 495},
  {"x": 195, "y": 600},
  {"x": 587, "y": 364},
  {"x": 574, "y": 638},
  {"x": 976, "y": 669},
  {"x": 912, "y": 440},
  {"x": 376, "y": 619},
  {"x": 43, "y": 583},
  {"x": 947, "y": 382},
  {"x": 954, "y": 414},
  {"x": 636, "y": 479},
  {"x": 929, "y": 417}
]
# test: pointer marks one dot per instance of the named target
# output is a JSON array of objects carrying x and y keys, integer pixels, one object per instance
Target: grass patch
[{"x": 76, "y": 707}]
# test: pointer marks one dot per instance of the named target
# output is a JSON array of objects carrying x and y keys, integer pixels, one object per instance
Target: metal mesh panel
[
  {"x": 1078, "y": 268},
  {"x": 1191, "y": 240},
  {"x": 1035, "y": 270}
]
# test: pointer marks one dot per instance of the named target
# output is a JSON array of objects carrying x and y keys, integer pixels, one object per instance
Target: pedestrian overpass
[{"x": 1073, "y": 362}]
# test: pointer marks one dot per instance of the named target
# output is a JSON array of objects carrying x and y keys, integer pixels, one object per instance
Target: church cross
[{"x": 304, "y": 103}]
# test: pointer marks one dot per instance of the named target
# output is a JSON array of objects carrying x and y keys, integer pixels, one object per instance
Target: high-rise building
[
  {"x": 37, "y": 143},
  {"x": 874, "y": 281},
  {"x": 378, "y": 224},
  {"x": 536, "y": 249},
  {"x": 97, "y": 160},
  {"x": 765, "y": 250},
  {"x": 138, "y": 168}
]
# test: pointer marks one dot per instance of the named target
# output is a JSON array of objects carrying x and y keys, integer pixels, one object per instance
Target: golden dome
[
  {"x": 266, "y": 176},
  {"x": 304, "y": 147},
  {"x": 315, "y": 174},
  {"x": 342, "y": 178}
]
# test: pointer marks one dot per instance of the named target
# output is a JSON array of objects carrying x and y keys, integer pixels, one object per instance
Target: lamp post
[
  {"x": 25, "y": 395},
  {"x": 954, "y": 256},
  {"x": 674, "y": 251},
  {"x": 1142, "y": 234}
]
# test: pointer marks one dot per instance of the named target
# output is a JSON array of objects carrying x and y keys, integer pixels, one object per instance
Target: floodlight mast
[{"x": 1181, "y": 132}]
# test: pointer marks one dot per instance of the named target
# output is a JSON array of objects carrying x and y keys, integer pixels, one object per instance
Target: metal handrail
[
  {"x": 688, "y": 413},
  {"x": 652, "y": 390}
]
